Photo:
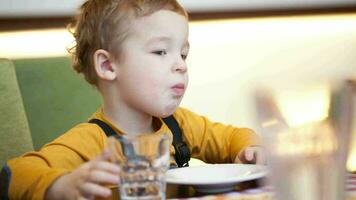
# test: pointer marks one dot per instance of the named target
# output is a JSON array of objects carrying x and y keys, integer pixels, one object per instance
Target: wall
[
  {"x": 229, "y": 59},
  {"x": 55, "y": 8}
]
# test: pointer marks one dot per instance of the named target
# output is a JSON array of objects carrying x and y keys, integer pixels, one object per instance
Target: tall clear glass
[{"x": 143, "y": 161}]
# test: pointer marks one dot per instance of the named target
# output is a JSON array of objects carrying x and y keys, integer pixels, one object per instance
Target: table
[{"x": 250, "y": 190}]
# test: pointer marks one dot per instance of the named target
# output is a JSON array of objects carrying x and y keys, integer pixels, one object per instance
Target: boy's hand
[
  {"x": 87, "y": 181},
  {"x": 251, "y": 155}
]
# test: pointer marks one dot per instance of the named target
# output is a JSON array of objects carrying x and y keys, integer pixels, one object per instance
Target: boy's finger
[
  {"x": 90, "y": 190},
  {"x": 238, "y": 159},
  {"x": 105, "y": 166},
  {"x": 249, "y": 154},
  {"x": 102, "y": 177},
  {"x": 104, "y": 156}
]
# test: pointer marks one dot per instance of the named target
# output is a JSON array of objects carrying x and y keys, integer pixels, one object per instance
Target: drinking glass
[
  {"x": 143, "y": 161},
  {"x": 306, "y": 131}
]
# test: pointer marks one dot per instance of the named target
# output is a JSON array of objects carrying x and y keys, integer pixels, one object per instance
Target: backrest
[
  {"x": 55, "y": 97},
  {"x": 15, "y": 136}
]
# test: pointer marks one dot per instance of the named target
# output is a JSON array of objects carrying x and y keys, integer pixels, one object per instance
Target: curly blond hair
[{"x": 104, "y": 24}]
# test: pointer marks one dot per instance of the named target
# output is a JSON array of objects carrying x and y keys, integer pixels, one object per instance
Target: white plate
[{"x": 214, "y": 178}]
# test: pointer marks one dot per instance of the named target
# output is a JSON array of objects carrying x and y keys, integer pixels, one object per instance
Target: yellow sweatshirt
[{"x": 31, "y": 174}]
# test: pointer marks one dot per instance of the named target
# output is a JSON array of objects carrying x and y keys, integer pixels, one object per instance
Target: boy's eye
[
  {"x": 161, "y": 53},
  {"x": 184, "y": 56}
]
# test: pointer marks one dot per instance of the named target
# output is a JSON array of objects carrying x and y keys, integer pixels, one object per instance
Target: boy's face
[{"x": 152, "y": 72}]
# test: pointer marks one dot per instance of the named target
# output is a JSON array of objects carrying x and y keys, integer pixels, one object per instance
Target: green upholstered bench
[
  {"x": 15, "y": 136},
  {"x": 55, "y": 97}
]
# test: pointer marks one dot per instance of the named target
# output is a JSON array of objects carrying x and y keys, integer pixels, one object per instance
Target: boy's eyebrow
[
  {"x": 158, "y": 39},
  {"x": 164, "y": 39}
]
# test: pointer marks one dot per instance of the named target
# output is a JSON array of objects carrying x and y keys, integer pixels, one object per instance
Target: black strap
[
  {"x": 106, "y": 128},
  {"x": 5, "y": 176},
  {"x": 182, "y": 155},
  {"x": 128, "y": 151}
]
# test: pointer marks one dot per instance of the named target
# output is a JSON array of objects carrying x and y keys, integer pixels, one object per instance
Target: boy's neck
[{"x": 129, "y": 120}]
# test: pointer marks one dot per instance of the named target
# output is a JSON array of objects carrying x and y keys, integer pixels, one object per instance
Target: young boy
[{"x": 134, "y": 52}]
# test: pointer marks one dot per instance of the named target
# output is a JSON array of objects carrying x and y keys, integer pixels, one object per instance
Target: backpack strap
[{"x": 182, "y": 155}]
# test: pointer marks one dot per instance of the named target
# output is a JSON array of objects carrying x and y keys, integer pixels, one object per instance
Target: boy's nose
[{"x": 180, "y": 66}]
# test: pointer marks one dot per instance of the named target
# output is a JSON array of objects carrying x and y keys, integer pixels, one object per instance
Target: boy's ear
[{"x": 103, "y": 65}]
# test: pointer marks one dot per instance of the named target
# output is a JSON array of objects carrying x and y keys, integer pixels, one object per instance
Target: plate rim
[{"x": 232, "y": 180}]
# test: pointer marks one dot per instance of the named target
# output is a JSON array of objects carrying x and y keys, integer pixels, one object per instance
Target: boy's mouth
[{"x": 178, "y": 89}]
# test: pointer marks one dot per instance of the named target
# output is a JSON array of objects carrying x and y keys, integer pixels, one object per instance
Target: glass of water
[
  {"x": 306, "y": 130},
  {"x": 143, "y": 160}
]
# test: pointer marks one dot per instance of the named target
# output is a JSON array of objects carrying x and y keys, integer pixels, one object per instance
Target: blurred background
[{"x": 236, "y": 46}]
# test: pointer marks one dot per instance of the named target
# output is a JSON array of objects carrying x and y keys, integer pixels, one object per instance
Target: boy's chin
[
  {"x": 166, "y": 115},
  {"x": 166, "y": 112}
]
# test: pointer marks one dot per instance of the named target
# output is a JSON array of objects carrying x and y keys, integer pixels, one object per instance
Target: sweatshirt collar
[{"x": 158, "y": 124}]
